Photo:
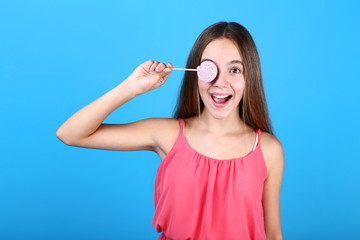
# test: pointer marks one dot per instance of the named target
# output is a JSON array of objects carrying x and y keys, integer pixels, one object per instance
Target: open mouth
[{"x": 221, "y": 99}]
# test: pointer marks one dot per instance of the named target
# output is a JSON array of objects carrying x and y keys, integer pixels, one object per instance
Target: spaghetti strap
[
  {"x": 259, "y": 134},
  {"x": 181, "y": 125},
  {"x": 257, "y": 139}
]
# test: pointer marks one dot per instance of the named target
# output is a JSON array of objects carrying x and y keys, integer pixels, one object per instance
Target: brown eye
[{"x": 235, "y": 70}]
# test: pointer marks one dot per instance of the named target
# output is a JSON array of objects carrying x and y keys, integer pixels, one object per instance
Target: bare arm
[
  {"x": 272, "y": 185},
  {"x": 85, "y": 128}
]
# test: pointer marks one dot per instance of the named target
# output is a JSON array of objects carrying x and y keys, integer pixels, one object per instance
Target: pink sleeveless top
[{"x": 201, "y": 198}]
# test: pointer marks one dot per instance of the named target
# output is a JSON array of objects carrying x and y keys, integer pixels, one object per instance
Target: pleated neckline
[{"x": 186, "y": 143}]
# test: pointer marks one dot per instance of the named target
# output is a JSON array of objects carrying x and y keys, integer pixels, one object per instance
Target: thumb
[{"x": 167, "y": 71}]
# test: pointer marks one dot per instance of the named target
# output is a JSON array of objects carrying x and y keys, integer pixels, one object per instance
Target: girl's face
[{"x": 222, "y": 96}]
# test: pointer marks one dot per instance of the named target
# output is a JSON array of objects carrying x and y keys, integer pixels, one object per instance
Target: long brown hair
[{"x": 253, "y": 107}]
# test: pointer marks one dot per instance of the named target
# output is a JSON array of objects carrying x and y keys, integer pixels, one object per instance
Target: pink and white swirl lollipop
[{"x": 206, "y": 72}]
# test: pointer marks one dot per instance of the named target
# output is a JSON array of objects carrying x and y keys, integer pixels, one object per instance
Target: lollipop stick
[{"x": 185, "y": 69}]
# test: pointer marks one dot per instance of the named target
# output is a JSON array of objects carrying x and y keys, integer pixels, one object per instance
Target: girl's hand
[{"x": 148, "y": 76}]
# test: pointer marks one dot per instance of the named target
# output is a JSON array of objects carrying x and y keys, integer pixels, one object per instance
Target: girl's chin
[{"x": 221, "y": 113}]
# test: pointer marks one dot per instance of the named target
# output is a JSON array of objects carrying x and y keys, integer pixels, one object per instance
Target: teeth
[{"x": 220, "y": 96}]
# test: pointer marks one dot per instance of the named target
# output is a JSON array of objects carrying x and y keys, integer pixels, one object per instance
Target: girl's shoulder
[
  {"x": 167, "y": 122},
  {"x": 269, "y": 142},
  {"x": 165, "y": 126},
  {"x": 165, "y": 133},
  {"x": 272, "y": 150}
]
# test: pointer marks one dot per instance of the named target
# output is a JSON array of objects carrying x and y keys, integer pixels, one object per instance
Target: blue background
[{"x": 58, "y": 56}]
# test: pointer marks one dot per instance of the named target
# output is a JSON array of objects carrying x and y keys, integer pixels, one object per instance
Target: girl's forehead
[{"x": 221, "y": 50}]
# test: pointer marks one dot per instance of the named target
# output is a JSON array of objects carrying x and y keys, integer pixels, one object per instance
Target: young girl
[{"x": 221, "y": 169}]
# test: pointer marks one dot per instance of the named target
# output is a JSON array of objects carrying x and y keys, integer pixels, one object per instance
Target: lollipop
[{"x": 206, "y": 72}]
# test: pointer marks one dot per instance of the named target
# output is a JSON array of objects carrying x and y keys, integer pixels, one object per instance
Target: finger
[
  {"x": 148, "y": 63},
  {"x": 168, "y": 68},
  {"x": 160, "y": 67},
  {"x": 166, "y": 73},
  {"x": 154, "y": 65}
]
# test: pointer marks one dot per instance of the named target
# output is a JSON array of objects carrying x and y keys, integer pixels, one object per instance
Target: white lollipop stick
[{"x": 185, "y": 69}]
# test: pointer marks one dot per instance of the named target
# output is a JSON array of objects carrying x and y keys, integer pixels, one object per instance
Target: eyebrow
[
  {"x": 236, "y": 61},
  {"x": 231, "y": 62}
]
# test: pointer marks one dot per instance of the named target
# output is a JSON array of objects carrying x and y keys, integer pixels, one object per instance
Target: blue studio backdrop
[{"x": 58, "y": 56}]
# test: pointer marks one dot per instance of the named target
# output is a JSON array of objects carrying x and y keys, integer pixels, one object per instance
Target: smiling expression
[{"x": 222, "y": 96}]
